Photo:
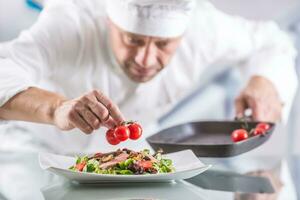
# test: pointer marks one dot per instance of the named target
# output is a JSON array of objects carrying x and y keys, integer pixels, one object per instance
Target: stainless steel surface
[
  {"x": 230, "y": 181},
  {"x": 176, "y": 191}
]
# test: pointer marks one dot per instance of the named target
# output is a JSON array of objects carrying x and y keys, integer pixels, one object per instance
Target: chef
[{"x": 86, "y": 65}]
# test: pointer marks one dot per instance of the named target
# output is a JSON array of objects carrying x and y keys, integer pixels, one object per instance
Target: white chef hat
[{"x": 160, "y": 18}]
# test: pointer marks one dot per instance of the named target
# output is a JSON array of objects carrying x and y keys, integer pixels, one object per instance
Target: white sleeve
[
  {"x": 258, "y": 47},
  {"x": 50, "y": 42}
]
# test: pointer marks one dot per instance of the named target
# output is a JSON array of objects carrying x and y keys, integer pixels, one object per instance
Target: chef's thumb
[{"x": 240, "y": 107}]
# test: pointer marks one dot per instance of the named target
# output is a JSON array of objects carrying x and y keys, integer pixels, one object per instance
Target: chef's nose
[{"x": 146, "y": 56}]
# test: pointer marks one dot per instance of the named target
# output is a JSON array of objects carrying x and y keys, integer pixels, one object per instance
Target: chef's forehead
[{"x": 157, "y": 18}]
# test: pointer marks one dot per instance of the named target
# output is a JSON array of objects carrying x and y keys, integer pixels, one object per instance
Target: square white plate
[{"x": 186, "y": 164}]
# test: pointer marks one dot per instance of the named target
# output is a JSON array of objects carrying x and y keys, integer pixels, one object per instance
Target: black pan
[{"x": 207, "y": 138}]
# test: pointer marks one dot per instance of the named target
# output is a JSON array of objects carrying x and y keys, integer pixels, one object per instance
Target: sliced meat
[
  {"x": 107, "y": 158},
  {"x": 96, "y": 155},
  {"x": 120, "y": 158},
  {"x": 100, "y": 155},
  {"x": 152, "y": 158}
]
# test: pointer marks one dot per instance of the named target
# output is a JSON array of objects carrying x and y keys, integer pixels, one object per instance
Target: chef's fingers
[
  {"x": 259, "y": 108},
  {"x": 88, "y": 116},
  {"x": 99, "y": 110},
  {"x": 109, "y": 123},
  {"x": 78, "y": 122},
  {"x": 240, "y": 107},
  {"x": 112, "y": 108},
  {"x": 245, "y": 101}
]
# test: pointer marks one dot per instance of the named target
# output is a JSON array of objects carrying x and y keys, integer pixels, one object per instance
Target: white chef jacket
[{"x": 67, "y": 51}]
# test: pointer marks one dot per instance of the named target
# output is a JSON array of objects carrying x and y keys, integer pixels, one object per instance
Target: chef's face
[{"x": 141, "y": 57}]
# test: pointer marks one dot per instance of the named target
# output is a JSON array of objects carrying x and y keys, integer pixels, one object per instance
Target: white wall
[
  {"x": 14, "y": 17},
  {"x": 279, "y": 10}
]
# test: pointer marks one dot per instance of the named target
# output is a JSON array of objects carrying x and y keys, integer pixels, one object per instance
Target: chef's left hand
[{"x": 260, "y": 95}]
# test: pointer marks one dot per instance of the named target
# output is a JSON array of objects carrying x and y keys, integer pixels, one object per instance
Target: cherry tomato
[
  {"x": 80, "y": 166},
  {"x": 239, "y": 135},
  {"x": 259, "y": 131},
  {"x": 122, "y": 133},
  {"x": 146, "y": 164},
  {"x": 263, "y": 126},
  {"x": 111, "y": 138},
  {"x": 135, "y": 131}
]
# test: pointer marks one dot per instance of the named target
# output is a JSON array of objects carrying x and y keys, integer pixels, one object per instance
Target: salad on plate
[{"x": 124, "y": 162}]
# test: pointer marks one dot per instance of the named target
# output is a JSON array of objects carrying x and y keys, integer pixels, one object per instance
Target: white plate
[{"x": 186, "y": 164}]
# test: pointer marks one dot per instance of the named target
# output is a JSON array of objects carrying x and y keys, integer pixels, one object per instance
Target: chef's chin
[{"x": 140, "y": 79}]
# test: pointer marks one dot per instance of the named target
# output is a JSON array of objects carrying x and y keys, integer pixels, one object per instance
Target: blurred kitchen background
[{"x": 213, "y": 99}]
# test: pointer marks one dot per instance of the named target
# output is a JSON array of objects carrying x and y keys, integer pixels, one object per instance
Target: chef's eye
[
  {"x": 135, "y": 41},
  {"x": 162, "y": 44}
]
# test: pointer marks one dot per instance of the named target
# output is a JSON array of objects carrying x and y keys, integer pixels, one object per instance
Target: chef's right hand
[{"x": 88, "y": 113}]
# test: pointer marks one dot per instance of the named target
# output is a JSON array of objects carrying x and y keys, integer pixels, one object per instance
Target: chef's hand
[
  {"x": 87, "y": 113},
  {"x": 262, "y": 98}
]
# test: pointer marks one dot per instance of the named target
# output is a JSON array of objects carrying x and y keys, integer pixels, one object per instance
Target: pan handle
[{"x": 247, "y": 116}]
